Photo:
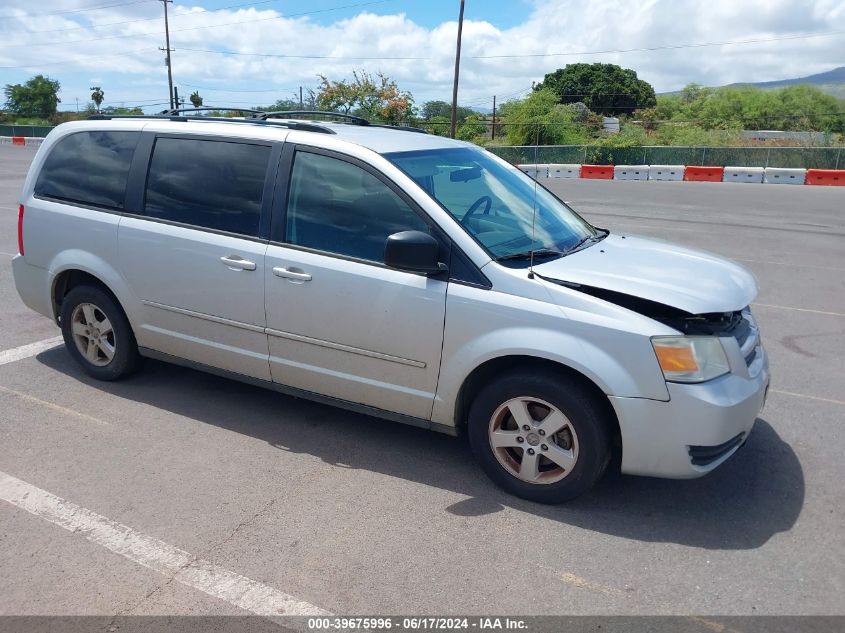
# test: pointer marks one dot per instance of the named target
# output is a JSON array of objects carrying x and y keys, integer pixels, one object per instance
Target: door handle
[
  {"x": 290, "y": 273},
  {"x": 236, "y": 262}
]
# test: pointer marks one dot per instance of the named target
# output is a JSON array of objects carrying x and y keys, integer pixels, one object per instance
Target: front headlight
[{"x": 690, "y": 358}]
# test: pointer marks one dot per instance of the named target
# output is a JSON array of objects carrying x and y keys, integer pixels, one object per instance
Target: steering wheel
[{"x": 487, "y": 201}]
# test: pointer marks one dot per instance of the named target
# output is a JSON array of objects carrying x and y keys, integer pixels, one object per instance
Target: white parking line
[
  {"x": 790, "y": 264},
  {"x": 51, "y": 406},
  {"x": 769, "y": 305},
  {"x": 25, "y": 351},
  {"x": 153, "y": 553},
  {"x": 804, "y": 395}
]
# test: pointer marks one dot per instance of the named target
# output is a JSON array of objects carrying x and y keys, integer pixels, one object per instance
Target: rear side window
[
  {"x": 211, "y": 184},
  {"x": 89, "y": 168}
]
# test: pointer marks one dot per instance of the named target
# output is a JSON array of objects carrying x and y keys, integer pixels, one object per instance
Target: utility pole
[
  {"x": 493, "y": 129},
  {"x": 167, "y": 53},
  {"x": 301, "y": 106},
  {"x": 457, "y": 72}
]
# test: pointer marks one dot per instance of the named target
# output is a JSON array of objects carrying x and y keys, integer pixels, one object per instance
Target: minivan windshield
[{"x": 495, "y": 203}]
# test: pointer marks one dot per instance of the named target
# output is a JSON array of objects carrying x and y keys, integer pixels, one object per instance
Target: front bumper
[{"x": 699, "y": 428}]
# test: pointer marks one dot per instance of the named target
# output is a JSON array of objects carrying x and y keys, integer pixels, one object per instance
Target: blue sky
[
  {"x": 246, "y": 53},
  {"x": 427, "y": 13}
]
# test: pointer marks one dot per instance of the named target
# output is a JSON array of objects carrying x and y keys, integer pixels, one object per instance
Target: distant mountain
[{"x": 831, "y": 82}]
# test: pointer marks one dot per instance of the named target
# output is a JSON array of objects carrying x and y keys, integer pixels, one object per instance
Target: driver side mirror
[{"x": 413, "y": 251}]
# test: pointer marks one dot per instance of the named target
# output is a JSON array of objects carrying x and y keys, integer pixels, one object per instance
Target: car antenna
[{"x": 534, "y": 215}]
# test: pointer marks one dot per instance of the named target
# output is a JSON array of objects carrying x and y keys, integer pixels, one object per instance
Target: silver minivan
[{"x": 395, "y": 273}]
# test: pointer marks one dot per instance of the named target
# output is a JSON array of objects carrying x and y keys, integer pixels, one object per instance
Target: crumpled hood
[{"x": 687, "y": 279}]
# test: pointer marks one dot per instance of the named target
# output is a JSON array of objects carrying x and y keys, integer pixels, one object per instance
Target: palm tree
[
  {"x": 97, "y": 95},
  {"x": 196, "y": 99}
]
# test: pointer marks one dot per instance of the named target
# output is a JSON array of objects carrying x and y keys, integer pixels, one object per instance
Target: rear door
[
  {"x": 195, "y": 256},
  {"x": 340, "y": 323}
]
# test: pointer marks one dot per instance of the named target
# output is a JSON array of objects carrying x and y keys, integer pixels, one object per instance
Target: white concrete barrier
[
  {"x": 666, "y": 172},
  {"x": 784, "y": 176},
  {"x": 33, "y": 141},
  {"x": 630, "y": 172},
  {"x": 535, "y": 171},
  {"x": 564, "y": 170},
  {"x": 5, "y": 140},
  {"x": 743, "y": 174}
]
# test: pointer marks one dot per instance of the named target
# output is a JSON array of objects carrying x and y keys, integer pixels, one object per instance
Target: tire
[
  {"x": 560, "y": 469},
  {"x": 98, "y": 335}
]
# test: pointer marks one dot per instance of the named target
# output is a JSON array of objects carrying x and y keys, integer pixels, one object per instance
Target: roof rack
[
  {"x": 349, "y": 118},
  {"x": 172, "y": 111},
  {"x": 261, "y": 117},
  {"x": 288, "y": 113},
  {"x": 292, "y": 125}
]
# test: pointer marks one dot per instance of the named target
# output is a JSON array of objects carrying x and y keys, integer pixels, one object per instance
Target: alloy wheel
[
  {"x": 533, "y": 440},
  {"x": 93, "y": 334}
]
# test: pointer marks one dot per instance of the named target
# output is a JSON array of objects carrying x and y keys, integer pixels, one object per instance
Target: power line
[
  {"x": 79, "y": 59},
  {"x": 274, "y": 55},
  {"x": 193, "y": 28},
  {"x": 193, "y": 13},
  {"x": 82, "y": 10},
  {"x": 666, "y": 47},
  {"x": 740, "y": 119},
  {"x": 233, "y": 90},
  {"x": 284, "y": 17}
]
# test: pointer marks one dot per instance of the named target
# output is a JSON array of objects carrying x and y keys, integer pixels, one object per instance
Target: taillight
[{"x": 20, "y": 229}]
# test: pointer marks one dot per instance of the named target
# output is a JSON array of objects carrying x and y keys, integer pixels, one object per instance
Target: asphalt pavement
[{"x": 115, "y": 484}]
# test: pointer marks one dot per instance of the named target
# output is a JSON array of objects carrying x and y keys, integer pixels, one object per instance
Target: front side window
[
  {"x": 337, "y": 207},
  {"x": 211, "y": 184},
  {"x": 495, "y": 202},
  {"x": 89, "y": 168}
]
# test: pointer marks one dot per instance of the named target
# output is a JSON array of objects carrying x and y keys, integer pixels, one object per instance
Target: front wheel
[
  {"x": 97, "y": 334},
  {"x": 540, "y": 436}
]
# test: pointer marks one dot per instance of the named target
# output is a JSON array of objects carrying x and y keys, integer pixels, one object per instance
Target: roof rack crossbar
[
  {"x": 292, "y": 125},
  {"x": 172, "y": 111},
  {"x": 288, "y": 113}
]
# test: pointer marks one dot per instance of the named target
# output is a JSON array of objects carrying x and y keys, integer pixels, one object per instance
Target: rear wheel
[
  {"x": 542, "y": 437},
  {"x": 97, "y": 334}
]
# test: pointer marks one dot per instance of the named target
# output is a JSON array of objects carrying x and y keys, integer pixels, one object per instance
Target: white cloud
[{"x": 125, "y": 55}]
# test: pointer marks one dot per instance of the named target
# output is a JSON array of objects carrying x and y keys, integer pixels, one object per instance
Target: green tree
[
  {"x": 97, "y": 96},
  {"x": 284, "y": 104},
  {"x": 794, "y": 108},
  {"x": 196, "y": 99},
  {"x": 471, "y": 129},
  {"x": 434, "y": 109},
  {"x": 440, "y": 125},
  {"x": 604, "y": 88},
  {"x": 372, "y": 96},
  {"x": 124, "y": 111},
  {"x": 539, "y": 118},
  {"x": 38, "y": 97}
]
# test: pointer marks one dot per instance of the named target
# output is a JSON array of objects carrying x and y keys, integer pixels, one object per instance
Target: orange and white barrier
[
  {"x": 630, "y": 172},
  {"x": 835, "y": 177},
  {"x": 784, "y": 176}
]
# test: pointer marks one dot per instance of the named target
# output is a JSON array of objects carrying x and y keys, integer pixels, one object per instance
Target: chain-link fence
[
  {"x": 39, "y": 131},
  {"x": 801, "y": 157},
  {"x": 806, "y": 157}
]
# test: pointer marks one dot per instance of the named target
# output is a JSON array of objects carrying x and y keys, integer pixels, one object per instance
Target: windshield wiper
[
  {"x": 538, "y": 253},
  {"x": 585, "y": 239}
]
